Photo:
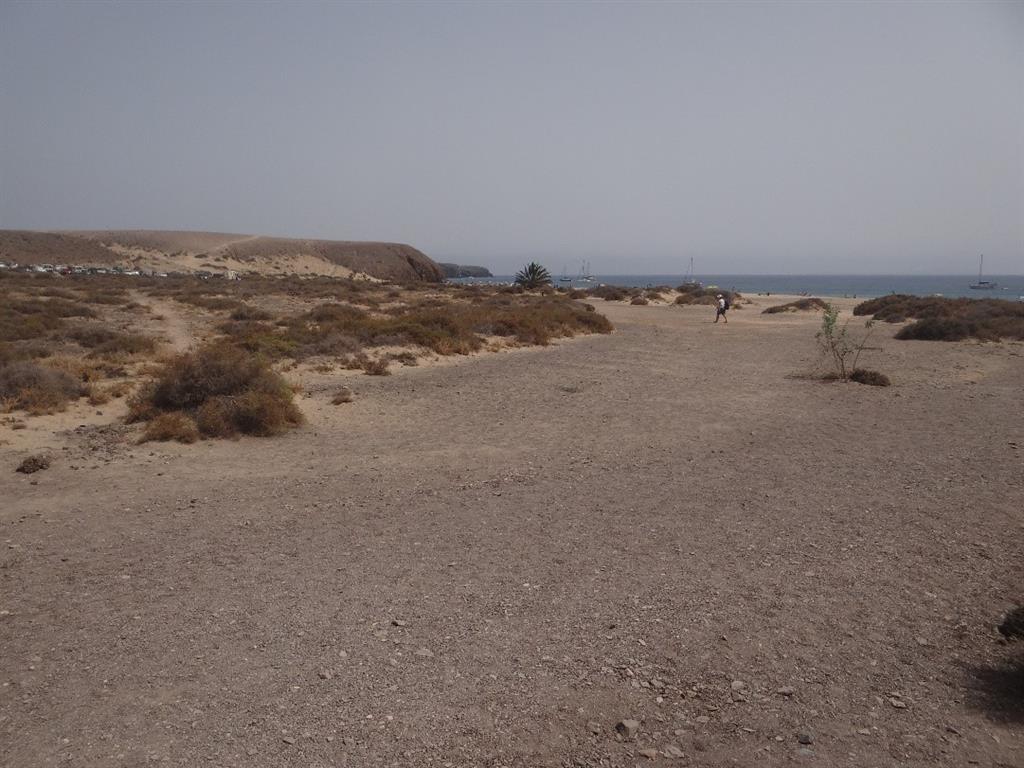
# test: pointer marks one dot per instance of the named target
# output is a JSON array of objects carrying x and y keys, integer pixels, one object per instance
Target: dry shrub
[
  {"x": 695, "y": 294},
  {"x": 33, "y": 464},
  {"x": 405, "y": 358},
  {"x": 171, "y": 426},
  {"x": 873, "y": 378},
  {"x": 945, "y": 319},
  {"x": 105, "y": 342},
  {"x": 801, "y": 305},
  {"x": 612, "y": 292},
  {"x": 639, "y": 301},
  {"x": 36, "y": 388},
  {"x": 246, "y": 312},
  {"x": 227, "y": 390},
  {"x": 343, "y": 395},
  {"x": 378, "y": 367},
  {"x": 98, "y": 396}
]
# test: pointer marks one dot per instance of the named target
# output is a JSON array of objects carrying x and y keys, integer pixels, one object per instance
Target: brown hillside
[
  {"x": 218, "y": 251},
  {"x": 25, "y": 247}
]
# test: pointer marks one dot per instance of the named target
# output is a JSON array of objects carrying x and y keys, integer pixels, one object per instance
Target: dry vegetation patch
[
  {"x": 945, "y": 319},
  {"x": 222, "y": 390},
  {"x": 697, "y": 294},
  {"x": 800, "y": 305}
]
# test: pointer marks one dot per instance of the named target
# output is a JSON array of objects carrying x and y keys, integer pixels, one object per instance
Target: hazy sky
[{"x": 753, "y": 137}]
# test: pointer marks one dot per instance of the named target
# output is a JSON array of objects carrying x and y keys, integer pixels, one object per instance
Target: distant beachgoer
[{"x": 721, "y": 308}]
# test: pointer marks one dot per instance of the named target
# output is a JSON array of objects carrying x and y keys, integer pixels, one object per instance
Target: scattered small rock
[
  {"x": 738, "y": 685},
  {"x": 425, "y": 653},
  {"x": 864, "y": 731},
  {"x": 805, "y": 737},
  {"x": 897, "y": 703},
  {"x": 33, "y": 464},
  {"x": 324, "y": 674},
  {"x": 650, "y": 754},
  {"x": 628, "y": 729},
  {"x": 399, "y": 623},
  {"x": 785, "y": 691},
  {"x": 593, "y": 727},
  {"x": 288, "y": 740},
  {"x": 673, "y": 751}
]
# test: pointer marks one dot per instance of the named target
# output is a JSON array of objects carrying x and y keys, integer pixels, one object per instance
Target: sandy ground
[{"x": 492, "y": 562}]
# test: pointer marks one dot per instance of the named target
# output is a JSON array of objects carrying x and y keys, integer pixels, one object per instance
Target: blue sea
[{"x": 860, "y": 286}]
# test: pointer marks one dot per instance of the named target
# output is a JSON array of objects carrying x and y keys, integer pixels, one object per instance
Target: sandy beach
[{"x": 495, "y": 561}]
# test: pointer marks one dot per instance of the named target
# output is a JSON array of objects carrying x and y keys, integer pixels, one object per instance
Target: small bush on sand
[
  {"x": 33, "y": 464},
  {"x": 343, "y": 395},
  {"x": 224, "y": 389},
  {"x": 639, "y": 301},
  {"x": 171, "y": 426},
  {"x": 36, "y": 388},
  {"x": 838, "y": 347},
  {"x": 867, "y": 376},
  {"x": 378, "y": 367},
  {"x": 801, "y": 305}
]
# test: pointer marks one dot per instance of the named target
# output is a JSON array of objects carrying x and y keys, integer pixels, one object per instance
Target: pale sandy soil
[{"x": 491, "y": 562}]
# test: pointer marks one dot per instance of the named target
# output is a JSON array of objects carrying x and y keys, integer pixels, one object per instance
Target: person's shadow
[{"x": 997, "y": 689}]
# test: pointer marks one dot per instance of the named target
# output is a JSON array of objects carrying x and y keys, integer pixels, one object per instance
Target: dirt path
[
  {"x": 491, "y": 563},
  {"x": 174, "y": 325}
]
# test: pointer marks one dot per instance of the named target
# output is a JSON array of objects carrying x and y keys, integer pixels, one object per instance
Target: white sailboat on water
[
  {"x": 688, "y": 281},
  {"x": 983, "y": 285}
]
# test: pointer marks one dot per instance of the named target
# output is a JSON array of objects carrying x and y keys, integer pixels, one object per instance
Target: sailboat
[
  {"x": 983, "y": 285},
  {"x": 585, "y": 275},
  {"x": 565, "y": 277},
  {"x": 688, "y": 281}
]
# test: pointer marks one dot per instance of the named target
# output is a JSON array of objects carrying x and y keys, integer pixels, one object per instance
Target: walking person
[{"x": 722, "y": 307}]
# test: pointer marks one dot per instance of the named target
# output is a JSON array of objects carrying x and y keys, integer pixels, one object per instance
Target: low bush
[
  {"x": 867, "y": 376},
  {"x": 171, "y": 426},
  {"x": 378, "y": 367},
  {"x": 612, "y": 292},
  {"x": 696, "y": 294},
  {"x": 37, "y": 389},
  {"x": 801, "y": 305},
  {"x": 945, "y": 319},
  {"x": 246, "y": 312},
  {"x": 639, "y": 301},
  {"x": 343, "y": 395},
  {"x": 224, "y": 389}
]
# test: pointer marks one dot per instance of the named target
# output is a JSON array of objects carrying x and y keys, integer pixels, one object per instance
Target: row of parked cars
[{"x": 66, "y": 269}]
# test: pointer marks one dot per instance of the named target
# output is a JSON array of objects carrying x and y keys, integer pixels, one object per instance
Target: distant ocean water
[{"x": 861, "y": 286}]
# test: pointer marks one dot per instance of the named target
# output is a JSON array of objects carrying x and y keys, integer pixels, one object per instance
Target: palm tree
[{"x": 533, "y": 275}]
